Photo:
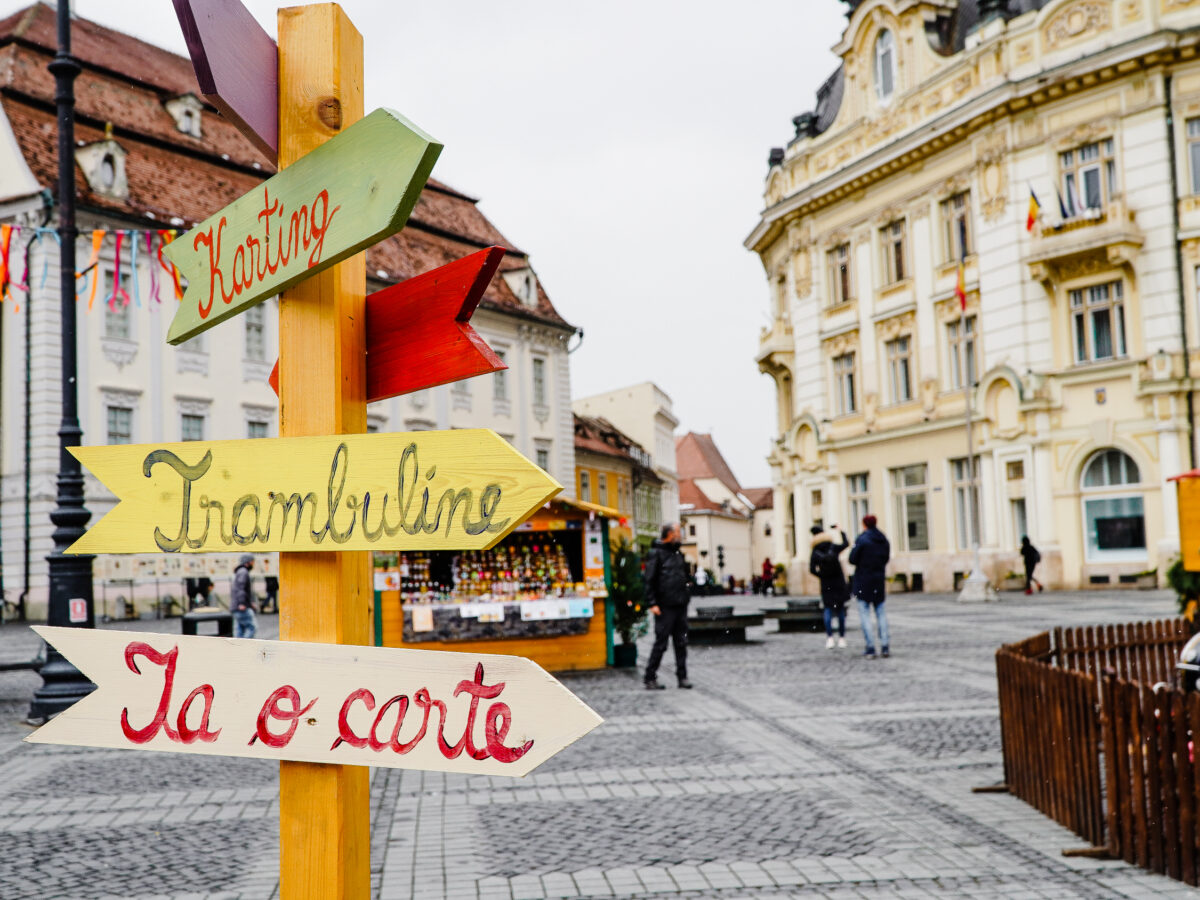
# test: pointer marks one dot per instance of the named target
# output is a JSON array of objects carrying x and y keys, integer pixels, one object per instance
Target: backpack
[{"x": 828, "y": 567}]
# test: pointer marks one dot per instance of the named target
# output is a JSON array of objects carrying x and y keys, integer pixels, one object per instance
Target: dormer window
[
  {"x": 523, "y": 283},
  {"x": 885, "y": 66},
  {"x": 103, "y": 164},
  {"x": 185, "y": 110}
]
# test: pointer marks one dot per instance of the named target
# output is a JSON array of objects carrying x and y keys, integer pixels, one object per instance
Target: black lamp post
[{"x": 70, "y": 576}]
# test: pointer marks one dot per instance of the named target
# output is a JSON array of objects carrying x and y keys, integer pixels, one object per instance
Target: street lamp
[{"x": 70, "y": 576}]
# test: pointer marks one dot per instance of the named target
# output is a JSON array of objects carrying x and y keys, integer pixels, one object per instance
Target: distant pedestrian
[
  {"x": 271, "y": 584},
  {"x": 667, "y": 596},
  {"x": 701, "y": 580},
  {"x": 824, "y": 563},
  {"x": 1032, "y": 558},
  {"x": 240, "y": 601},
  {"x": 869, "y": 557}
]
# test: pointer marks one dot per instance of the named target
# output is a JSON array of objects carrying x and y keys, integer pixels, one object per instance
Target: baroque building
[
  {"x": 151, "y": 156},
  {"x": 1075, "y": 341}
]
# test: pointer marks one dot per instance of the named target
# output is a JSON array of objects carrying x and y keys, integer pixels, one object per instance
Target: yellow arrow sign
[{"x": 425, "y": 490}]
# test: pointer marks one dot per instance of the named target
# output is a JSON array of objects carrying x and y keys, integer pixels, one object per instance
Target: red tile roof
[
  {"x": 172, "y": 175},
  {"x": 692, "y": 499},
  {"x": 697, "y": 456},
  {"x": 760, "y": 497}
]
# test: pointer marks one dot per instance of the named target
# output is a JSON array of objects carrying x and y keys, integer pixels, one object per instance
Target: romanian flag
[
  {"x": 960, "y": 286},
  {"x": 1034, "y": 207}
]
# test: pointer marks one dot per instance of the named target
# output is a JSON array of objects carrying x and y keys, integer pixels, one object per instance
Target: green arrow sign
[{"x": 346, "y": 195}]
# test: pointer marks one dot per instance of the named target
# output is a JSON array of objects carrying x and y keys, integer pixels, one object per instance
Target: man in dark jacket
[
  {"x": 240, "y": 601},
  {"x": 1031, "y": 556},
  {"x": 667, "y": 596},
  {"x": 824, "y": 563},
  {"x": 869, "y": 557}
]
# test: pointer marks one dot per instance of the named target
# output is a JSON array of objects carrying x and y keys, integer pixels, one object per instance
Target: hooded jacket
[
  {"x": 666, "y": 576},
  {"x": 825, "y": 565},
  {"x": 239, "y": 594},
  {"x": 869, "y": 557}
]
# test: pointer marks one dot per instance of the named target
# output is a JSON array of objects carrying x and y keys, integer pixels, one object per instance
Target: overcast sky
[{"x": 623, "y": 145}]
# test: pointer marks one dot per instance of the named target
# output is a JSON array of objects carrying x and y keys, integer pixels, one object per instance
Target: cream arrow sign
[
  {"x": 423, "y": 490},
  {"x": 352, "y": 191},
  {"x": 436, "y": 710}
]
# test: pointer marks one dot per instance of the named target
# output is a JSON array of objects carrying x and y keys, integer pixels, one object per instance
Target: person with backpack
[
  {"x": 1031, "y": 556},
  {"x": 870, "y": 556},
  {"x": 824, "y": 563}
]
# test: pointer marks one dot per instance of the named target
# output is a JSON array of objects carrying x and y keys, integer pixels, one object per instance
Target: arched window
[
  {"x": 885, "y": 66},
  {"x": 107, "y": 175},
  {"x": 1113, "y": 518}
]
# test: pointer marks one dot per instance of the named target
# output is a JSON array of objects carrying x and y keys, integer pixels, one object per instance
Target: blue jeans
[
  {"x": 840, "y": 612},
  {"x": 864, "y": 614},
  {"x": 246, "y": 624}
]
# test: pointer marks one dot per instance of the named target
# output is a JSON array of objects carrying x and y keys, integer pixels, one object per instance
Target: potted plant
[
  {"x": 780, "y": 580},
  {"x": 1186, "y": 586},
  {"x": 1013, "y": 581},
  {"x": 628, "y": 597},
  {"x": 1148, "y": 580}
]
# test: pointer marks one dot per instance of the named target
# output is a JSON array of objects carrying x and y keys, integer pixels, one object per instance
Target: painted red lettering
[
  {"x": 271, "y": 709},
  {"x": 495, "y": 729},
  {"x": 168, "y": 659},
  {"x": 373, "y": 740},
  {"x": 345, "y": 732},
  {"x": 214, "y": 266},
  {"x": 476, "y": 689},
  {"x": 188, "y": 735}
]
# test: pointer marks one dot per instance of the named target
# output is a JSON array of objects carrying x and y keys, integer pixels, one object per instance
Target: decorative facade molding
[
  {"x": 191, "y": 361},
  {"x": 193, "y": 406},
  {"x": 119, "y": 351},
  {"x": 255, "y": 370},
  {"x": 1077, "y": 22},
  {"x": 120, "y": 397}
]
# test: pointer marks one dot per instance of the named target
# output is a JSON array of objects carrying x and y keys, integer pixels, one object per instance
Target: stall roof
[{"x": 607, "y": 511}]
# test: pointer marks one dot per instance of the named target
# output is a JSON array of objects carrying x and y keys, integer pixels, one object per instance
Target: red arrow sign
[
  {"x": 419, "y": 333},
  {"x": 237, "y": 65}
]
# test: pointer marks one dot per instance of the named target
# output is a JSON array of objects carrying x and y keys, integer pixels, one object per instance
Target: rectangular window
[
  {"x": 118, "y": 313},
  {"x": 899, "y": 362},
  {"x": 1089, "y": 177},
  {"x": 1019, "y": 519},
  {"x": 956, "y": 227},
  {"x": 462, "y": 387},
  {"x": 892, "y": 241},
  {"x": 256, "y": 347},
  {"x": 585, "y": 487},
  {"x": 1193, "y": 150},
  {"x": 1098, "y": 322},
  {"x": 602, "y": 489},
  {"x": 500, "y": 379},
  {"x": 1014, "y": 469},
  {"x": 966, "y": 501},
  {"x": 191, "y": 428},
  {"x": 845, "y": 400},
  {"x": 839, "y": 275},
  {"x": 911, "y": 505},
  {"x": 543, "y": 458},
  {"x": 858, "y": 496},
  {"x": 1116, "y": 528},
  {"x": 960, "y": 339},
  {"x": 256, "y": 429},
  {"x": 539, "y": 381},
  {"x": 120, "y": 425}
]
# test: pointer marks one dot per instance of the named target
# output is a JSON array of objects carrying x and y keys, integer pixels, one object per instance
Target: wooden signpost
[
  {"x": 326, "y": 710},
  {"x": 423, "y": 490},
  {"x": 419, "y": 333},
  {"x": 1187, "y": 499},
  {"x": 321, "y": 703},
  {"x": 237, "y": 66},
  {"x": 342, "y": 197}
]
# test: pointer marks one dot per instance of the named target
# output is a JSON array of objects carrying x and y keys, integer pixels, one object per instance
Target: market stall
[{"x": 539, "y": 593}]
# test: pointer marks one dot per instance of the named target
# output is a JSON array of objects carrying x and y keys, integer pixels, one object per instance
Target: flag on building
[
  {"x": 1034, "y": 207},
  {"x": 960, "y": 284}
]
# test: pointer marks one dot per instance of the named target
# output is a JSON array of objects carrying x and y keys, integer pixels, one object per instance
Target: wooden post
[{"x": 324, "y": 813}]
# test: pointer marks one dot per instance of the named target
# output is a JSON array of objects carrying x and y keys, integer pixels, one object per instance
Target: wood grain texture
[
  {"x": 247, "y": 691},
  {"x": 424, "y": 490},
  {"x": 324, "y": 811},
  {"x": 419, "y": 333},
  {"x": 237, "y": 66},
  {"x": 1188, "y": 501},
  {"x": 329, "y": 204}
]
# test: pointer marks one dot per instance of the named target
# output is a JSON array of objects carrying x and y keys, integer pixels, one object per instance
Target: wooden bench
[
  {"x": 721, "y": 625},
  {"x": 223, "y": 618},
  {"x": 798, "y": 615}
]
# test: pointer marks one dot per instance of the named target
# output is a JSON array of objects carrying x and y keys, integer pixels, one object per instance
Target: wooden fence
[{"x": 1090, "y": 742}]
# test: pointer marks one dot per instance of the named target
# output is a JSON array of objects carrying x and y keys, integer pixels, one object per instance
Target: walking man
[
  {"x": 870, "y": 556},
  {"x": 667, "y": 596},
  {"x": 824, "y": 563},
  {"x": 1032, "y": 558},
  {"x": 240, "y": 600}
]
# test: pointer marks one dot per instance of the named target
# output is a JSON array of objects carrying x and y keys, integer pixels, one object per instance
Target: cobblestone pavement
[{"x": 790, "y": 771}]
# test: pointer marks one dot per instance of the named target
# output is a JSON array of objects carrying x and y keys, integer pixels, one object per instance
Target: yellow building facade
[{"x": 1078, "y": 336}]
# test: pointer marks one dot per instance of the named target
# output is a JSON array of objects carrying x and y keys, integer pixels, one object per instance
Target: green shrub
[{"x": 628, "y": 593}]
